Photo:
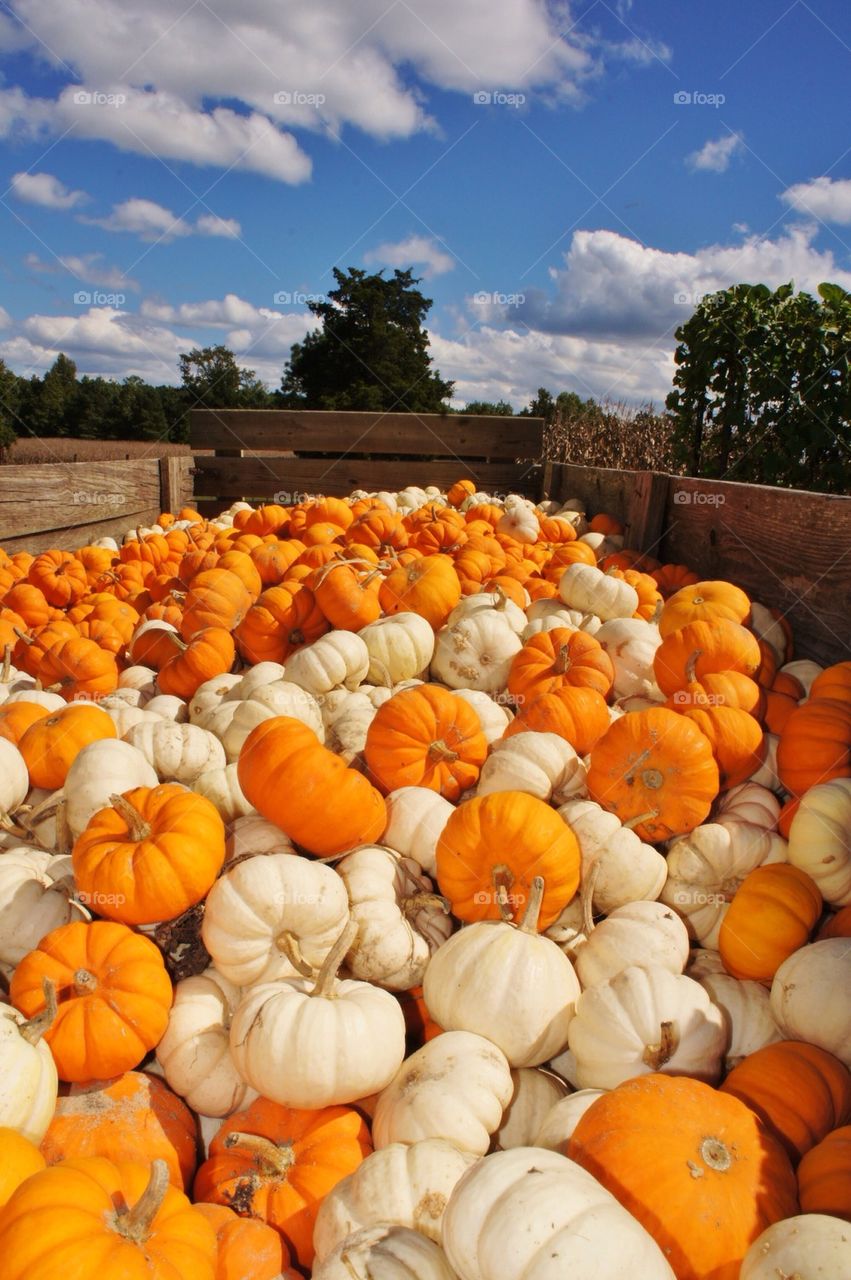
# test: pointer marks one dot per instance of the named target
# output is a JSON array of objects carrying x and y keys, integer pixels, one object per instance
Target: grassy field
[{"x": 63, "y": 449}]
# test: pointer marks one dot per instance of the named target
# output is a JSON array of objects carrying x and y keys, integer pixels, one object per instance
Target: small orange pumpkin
[
  {"x": 52, "y": 743},
  {"x": 19, "y": 1160},
  {"x": 426, "y": 737},
  {"x": 428, "y": 586},
  {"x": 824, "y": 1176},
  {"x": 772, "y": 914},
  {"x": 553, "y": 659},
  {"x": 247, "y": 1249}
]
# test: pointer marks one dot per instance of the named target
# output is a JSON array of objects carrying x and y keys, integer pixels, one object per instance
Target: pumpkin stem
[
  {"x": 288, "y": 943},
  {"x": 85, "y": 983},
  {"x": 586, "y": 897},
  {"x": 716, "y": 1154},
  {"x": 529, "y": 923},
  {"x": 324, "y": 985},
  {"x": 276, "y": 1159},
  {"x": 562, "y": 660},
  {"x": 500, "y": 599},
  {"x": 691, "y": 663},
  {"x": 412, "y": 905},
  {"x": 34, "y": 1028},
  {"x": 656, "y": 1055},
  {"x": 62, "y": 837},
  {"x": 28, "y": 640},
  {"x": 439, "y": 750},
  {"x": 629, "y": 776},
  {"x": 632, "y": 823},
  {"x": 135, "y": 1224},
  {"x": 502, "y": 878},
  {"x": 137, "y": 828},
  {"x": 6, "y": 669},
  {"x": 657, "y": 612}
]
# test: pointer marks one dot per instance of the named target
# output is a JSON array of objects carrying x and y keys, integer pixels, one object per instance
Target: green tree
[
  {"x": 371, "y": 351},
  {"x": 47, "y": 406},
  {"x": 501, "y": 408},
  {"x": 212, "y": 379},
  {"x": 10, "y": 403},
  {"x": 542, "y": 405},
  {"x": 762, "y": 389},
  {"x": 138, "y": 412},
  {"x": 94, "y": 409}
]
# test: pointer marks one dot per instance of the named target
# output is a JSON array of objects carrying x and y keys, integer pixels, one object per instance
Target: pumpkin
[
  {"x": 589, "y": 590},
  {"x": 704, "y": 602},
  {"x": 102, "y": 769},
  {"x": 815, "y": 745},
  {"x": 824, "y": 1176},
  {"x": 803, "y": 996},
  {"x": 246, "y": 1249},
  {"x": 51, "y": 745},
  {"x": 276, "y": 1163},
  {"x": 812, "y": 1246},
  {"x": 134, "y": 1116},
  {"x": 19, "y": 1159},
  {"x": 428, "y": 586},
  {"x": 562, "y": 1118},
  {"x": 60, "y": 577},
  {"x": 113, "y": 992},
  {"x": 216, "y": 598},
  {"x": 35, "y": 896},
  {"x": 113, "y": 1220},
  {"x": 209, "y": 653},
  {"x": 150, "y": 856},
  {"x": 325, "y": 806},
  {"x": 282, "y": 619},
  {"x": 638, "y": 933},
  {"x": 834, "y": 682},
  {"x": 541, "y": 764},
  {"x": 425, "y": 736},
  {"x": 346, "y": 594},
  {"x": 400, "y": 648},
  {"x": 772, "y": 914},
  {"x": 16, "y": 718},
  {"x": 78, "y": 668},
  {"x": 820, "y": 839},
  {"x": 339, "y": 659},
  {"x": 617, "y": 867},
  {"x": 747, "y": 1012},
  {"x": 736, "y": 739},
  {"x": 194, "y": 1052},
  {"x": 415, "y": 818},
  {"x": 221, "y": 787},
  {"x": 701, "y": 648},
  {"x": 580, "y": 716},
  {"x": 656, "y": 771},
  {"x": 28, "y": 1080},
  {"x": 836, "y": 926},
  {"x": 553, "y": 659},
  {"x": 535, "y": 1094},
  {"x": 396, "y": 1253},
  {"x": 801, "y": 1092},
  {"x": 476, "y": 651},
  {"x": 676, "y": 1153},
  {"x": 176, "y": 752},
  {"x": 493, "y": 847}
]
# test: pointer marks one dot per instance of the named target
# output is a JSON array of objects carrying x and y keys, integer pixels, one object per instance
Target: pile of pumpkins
[{"x": 417, "y": 884}]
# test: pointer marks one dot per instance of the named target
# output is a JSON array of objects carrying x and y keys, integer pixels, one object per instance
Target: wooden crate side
[
  {"x": 599, "y": 488},
  {"x": 176, "y": 483},
  {"x": 410, "y": 434},
  {"x": 80, "y": 535},
  {"x": 58, "y": 497}
]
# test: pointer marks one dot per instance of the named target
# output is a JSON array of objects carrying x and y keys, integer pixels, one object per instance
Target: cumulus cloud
[
  {"x": 211, "y": 225},
  {"x": 46, "y": 190},
  {"x": 152, "y": 221},
  {"x": 825, "y": 198},
  {"x": 89, "y": 268},
  {"x": 715, "y": 155},
  {"x": 413, "y": 251}
]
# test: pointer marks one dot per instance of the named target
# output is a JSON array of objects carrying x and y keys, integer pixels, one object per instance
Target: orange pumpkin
[
  {"x": 426, "y": 737},
  {"x": 834, "y": 682},
  {"x": 28, "y": 601},
  {"x": 240, "y": 563},
  {"x": 113, "y": 992},
  {"x": 60, "y": 577},
  {"x": 278, "y": 1164},
  {"x": 694, "y": 1166},
  {"x": 815, "y": 745},
  {"x": 19, "y": 1160},
  {"x": 78, "y": 668},
  {"x": 133, "y": 1117},
  {"x": 736, "y": 739},
  {"x": 656, "y": 771},
  {"x": 324, "y": 806},
  {"x": 151, "y": 855},
  {"x": 347, "y": 597},
  {"x": 698, "y": 648},
  {"x": 272, "y": 559},
  {"x": 420, "y": 1027},
  {"x": 460, "y": 490},
  {"x": 247, "y": 1249},
  {"x": 28, "y": 654},
  {"x": 837, "y": 925},
  {"x": 772, "y": 914},
  {"x": 216, "y": 598},
  {"x": 824, "y": 1176},
  {"x": 704, "y": 602},
  {"x": 580, "y": 716},
  {"x": 428, "y": 586},
  {"x": 282, "y": 620},
  {"x": 494, "y": 846},
  {"x": 209, "y": 653},
  {"x": 720, "y": 689},
  {"x": 553, "y": 659},
  {"x": 52, "y": 743},
  {"x": 799, "y": 1091},
  {"x": 16, "y": 718}
]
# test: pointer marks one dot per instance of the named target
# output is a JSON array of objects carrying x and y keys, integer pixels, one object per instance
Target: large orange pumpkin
[
  {"x": 426, "y": 737},
  {"x": 698, "y": 648},
  {"x": 578, "y": 715},
  {"x": 553, "y": 659},
  {"x": 815, "y": 745},
  {"x": 694, "y": 1166},
  {"x": 772, "y": 914},
  {"x": 428, "y": 586},
  {"x": 824, "y": 1176}
]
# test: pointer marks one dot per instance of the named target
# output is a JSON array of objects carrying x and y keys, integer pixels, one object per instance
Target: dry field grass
[{"x": 28, "y": 452}]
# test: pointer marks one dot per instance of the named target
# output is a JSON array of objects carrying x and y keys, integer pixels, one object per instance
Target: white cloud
[
  {"x": 152, "y": 221},
  {"x": 46, "y": 190},
  {"x": 825, "y": 198},
  {"x": 413, "y": 251},
  {"x": 89, "y": 268},
  {"x": 5, "y": 319},
  {"x": 715, "y": 155},
  {"x": 211, "y": 225}
]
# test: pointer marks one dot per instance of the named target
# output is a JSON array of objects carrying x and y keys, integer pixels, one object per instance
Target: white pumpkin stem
[
  {"x": 6, "y": 669},
  {"x": 137, "y": 828},
  {"x": 85, "y": 983},
  {"x": 136, "y": 1224},
  {"x": 277, "y": 1159},
  {"x": 657, "y": 612},
  {"x": 656, "y": 1055},
  {"x": 500, "y": 599},
  {"x": 439, "y": 750},
  {"x": 529, "y": 923},
  {"x": 324, "y": 985},
  {"x": 62, "y": 838},
  {"x": 34, "y": 1028},
  {"x": 502, "y": 879},
  {"x": 632, "y": 823},
  {"x": 411, "y": 906},
  {"x": 288, "y": 944},
  {"x": 586, "y": 897}
]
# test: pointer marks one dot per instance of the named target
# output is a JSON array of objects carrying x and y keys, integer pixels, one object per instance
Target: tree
[
  {"x": 10, "y": 400},
  {"x": 541, "y": 405},
  {"x": 138, "y": 412},
  {"x": 212, "y": 379},
  {"x": 762, "y": 390},
  {"x": 47, "y": 407},
  {"x": 371, "y": 352},
  {"x": 502, "y": 409}
]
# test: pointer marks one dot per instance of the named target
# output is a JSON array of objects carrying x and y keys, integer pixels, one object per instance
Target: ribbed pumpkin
[
  {"x": 736, "y": 740},
  {"x": 209, "y": 653},
  {"x": 801, "y": 1092},
  {"x": 19, "y": 1160},
  {"x": 580, "y": 716},
  {"x": 701, "y": 647},
  {"x": 772, "y": 914},
  {"x": 553, "y": 659},
  {"x": 307, "y": 790},
  {"x": 216, "y": 598},
  {"x": 283, "y": 618},
  {"x": 834, "y": 682},
  {"x": 428, "y": 586},
  {"x": 494, "y": 846},
  {"x": 704, "y": 602},
  {"x": 78, "y": 668},
  {"x": 824, "y": 1176},
  {"x": 425, "y": 737},
  {"x": 60, "y": 577},
  {"x": 278, "y": 1164},
  {"x": 247, "y": 1249},
  {"x": 52, "y": 743},
  {"x": 694, "y": 1166},
  {"x": 16, "y": 718},
  {"x": 815, "y": 745},
  {"x": 347, "y": 596}
]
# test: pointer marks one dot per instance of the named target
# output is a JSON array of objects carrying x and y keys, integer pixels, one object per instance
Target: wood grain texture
[
  {"x": 176, "y": 483},
  {"x": 411, "y": 434},
  {"x": 38, "y": 499},
  {"x": 80, "y": 535}
]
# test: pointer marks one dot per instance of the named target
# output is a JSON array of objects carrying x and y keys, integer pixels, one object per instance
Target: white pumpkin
[
  {"x": 805, "y": 672},
  {"x": 126, "y": 718},
  {"x": 210, "y": 694},
  {"x": 623, "y": 867},
  {"x": 28, "y": 1082},
  {"x": 809, "y": 996},
  {"x": 569, "y": 930},
  {"x": 749, "y": 802},
  {"x": 42, "y": 698},
  {"x": 631, "y": 643},
  {"x": 221, "y": 787},
  {"x": 506, "y": 982},
  {"x": 102, "y": 769},
  {"x": 646, "y": 1019},
  {"x": 638, "y": 933},
  {"x": 253, "y": 835},
  {"x": 194, "y": 1052},
  {"x": 766, "y": 627},
  {"x": 313, "y": 1044},
  {"x": 232, "y": 722},
  {"x": 142, "y": 678},
  {"x": 542, "y": 764},
  {"x": 494, "y": 714},
  {"x": 519, "y": 521},
  {"x": 535, "y": 1094},
  {"x": 256, "y": 677},
  {"x": 273, "y": 916},
  {"x": 703, "y": 962},
  {"x": 416, "y": 817},
  {"x": 400, "y": 1185},
  {"x": 535, "y": 1214},
  {"x": 475, "y": 652},
  {"x": 556, "y": 611},
  {"x": 810, "y": 1246},
  {"x": 36, "y": 890},
  {"x": 169, "y": 706},
  {"x": 385, "y": 1252},
  {"x": 766, "y": 775},
  {"x": 747, "y": 1009},
  {"x": 400, "y": 647},
  {"x": 455, "y": 1087},
  {"x": 123, "y": 699},
  {"x": 820, "y": 839},
  {"x": 345, "y": 731},
  {"x": 177, "y": 752},
  {"x": 14, "y": 779},
  {"x": 401, "y": 921},
  {"x": 558, "y": 1124},
  {"x": 586, "y": 588},
  {"x": 283, "y": 698},
  {"x": 339, "y": 658}
]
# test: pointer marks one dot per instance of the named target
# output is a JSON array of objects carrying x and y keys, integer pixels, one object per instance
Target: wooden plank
[
  {"x": 787, "y": 548},
  {"x": 410, "y": 434},
  {"x": 75, "y": 536},
  {"x": 175, "y": 483},
  {"x": 228, "y": 478},
  {"x": 36, "y": 499},
  {"x": 601, "y": 489},
  {"x": 645, "y": 512}
]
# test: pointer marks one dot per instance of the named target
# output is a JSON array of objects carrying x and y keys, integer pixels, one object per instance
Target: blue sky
[{"x": 180, "y": 176}]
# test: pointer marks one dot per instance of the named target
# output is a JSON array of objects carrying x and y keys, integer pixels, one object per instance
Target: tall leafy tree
[
  {"x": 500, "y": 408},
  {"x": 10, "y": 403},
  {"x": 371, "y": 351},
  {"x": 48, "y": 405},
  {"x": 212, "y": 379}
]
